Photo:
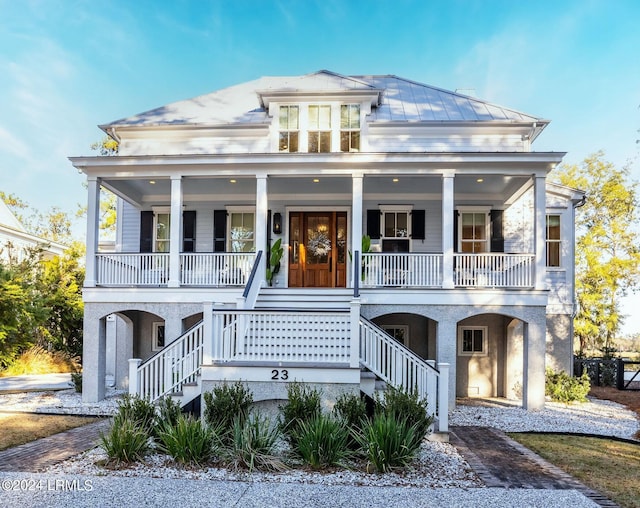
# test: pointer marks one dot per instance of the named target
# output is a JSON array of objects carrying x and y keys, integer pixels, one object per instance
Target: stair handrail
[
  {"x": 417, "y": 373},
  {"x": 251, "y": 290},
  {"x": 170, "y": 368}
]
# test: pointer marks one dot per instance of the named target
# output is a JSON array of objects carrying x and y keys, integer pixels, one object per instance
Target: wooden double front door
[{"x": 318, "y": 249}]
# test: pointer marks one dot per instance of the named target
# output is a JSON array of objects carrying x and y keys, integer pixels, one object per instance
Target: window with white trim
[
  {"x": 158, "y": 340},
  {"x": 319, "y": 129},
  {"x": 398, "y": 332},
  {"x": 350, "y": 128},
  {"x": 161, "y": 231},
  {"x": 395, "y": 228},
  {"x": 472, "y": 340},
  {"x": 289, "y": 125},
  {"x": 242, "y": 231},
  {"x": 554, "y": 243},
  {"x": 474, "y": 228}
]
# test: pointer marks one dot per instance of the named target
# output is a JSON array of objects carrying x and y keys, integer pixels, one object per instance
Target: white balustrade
[
  {"x": 392, "y": 269},
  {"x": 281, "y": 336},
  {"x": 166, "y": 372},
  {"x": 216, "y": 269},
  {"x": 119, "y": 269},
  {"x": 494, "y": 270},
  {"x": 401, "y": 368},
  {"x": 152, "y": 269}
]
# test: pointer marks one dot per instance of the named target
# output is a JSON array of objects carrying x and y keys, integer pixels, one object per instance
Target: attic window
[
  {"x": 350, "y": 128},
  {"x": 319, "y": 129},
  {"x": 289, "y": 127}
]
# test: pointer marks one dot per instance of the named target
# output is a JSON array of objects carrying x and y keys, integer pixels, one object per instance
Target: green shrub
[
  {"x": 253, "y": 445},
  {"x": 562, "y": 387},
  {"x": 139, "y": 412},
  {"x": 168, "y": 411},
  {"x": 388, "y": 442},
  {"x": 188, "y": 441},
  {"x": 303, "y": 404},
  {"x": 225, "y": 404},
  {"x": 407, "y": 406},
  {"x": 352, "y": 409},
  {"x": 125, "y": 442},
  {"x": 76, "y": 379},
  {"x": 323, "y": 441}
]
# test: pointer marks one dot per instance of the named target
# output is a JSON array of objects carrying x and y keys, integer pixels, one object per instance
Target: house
[
  {"x": 464, "y": 289},
  {"x": 16, "y": 243}
]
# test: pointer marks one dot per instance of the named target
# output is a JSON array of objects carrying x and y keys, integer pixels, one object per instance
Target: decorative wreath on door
[{"x": 319, "y": 244}]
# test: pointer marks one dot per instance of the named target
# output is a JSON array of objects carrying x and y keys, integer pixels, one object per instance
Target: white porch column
[
  {"x": 94, "y": 358},
  {"x": 93, "y": 228},
  {"x": 446, "y": 353},
  {"x": 356, "y": 221},
  {"x": 447, "y": 230},
  {"x": 534, "y": 363},
  {"x": 207, "y": 333},
  {"x": 540, "y": 215},
  {"x": 175, "y": 244},
  {"x": 262, "y": 210},
  {"x": 354, "y": 347}
]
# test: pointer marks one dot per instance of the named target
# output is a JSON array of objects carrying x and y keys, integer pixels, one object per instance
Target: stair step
[{"x": 304, "y": 298}]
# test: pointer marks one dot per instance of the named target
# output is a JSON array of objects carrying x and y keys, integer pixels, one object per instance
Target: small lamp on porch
[{"x": 277, "y": 223}]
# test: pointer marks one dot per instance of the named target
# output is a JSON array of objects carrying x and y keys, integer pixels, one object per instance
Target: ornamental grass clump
[
  {"x": 322, "y": 442},
  {"x": 189, "y": 441},
  {"x": 352, "y": 410},
  {"x": 125, "y": 442},
  {"x": 388, "y": 443},
  {"x": 253, "y": 445},
  {"x": 562, "y": 387},
  {"x": 225, "y": 404},
  {"x": 303, "y": 404}
]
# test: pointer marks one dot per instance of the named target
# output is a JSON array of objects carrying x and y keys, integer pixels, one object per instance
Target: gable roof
[
  {"x": 396, "y": 100},
  {"x": 8, "y": 219}
]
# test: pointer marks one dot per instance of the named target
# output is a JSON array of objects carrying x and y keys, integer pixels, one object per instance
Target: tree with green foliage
[
  {"x": 607, "y": 248},
  {"x": 60, "y": 286},
  {"x": 21, "y": 308}
]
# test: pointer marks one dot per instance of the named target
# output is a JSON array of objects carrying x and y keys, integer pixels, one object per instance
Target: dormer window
[
  {"x": 350, "y": 128},
  {"x": 319, "y": 129},
  {"x": 289, "y": 128}
]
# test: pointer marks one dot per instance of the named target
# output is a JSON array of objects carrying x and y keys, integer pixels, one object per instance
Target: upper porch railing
[
  {"x": 422, "y": 270},
  {"x": 377, "y": 270},
  {"x": 494, "y": 270},
  {"x": 152, "y": 269}
]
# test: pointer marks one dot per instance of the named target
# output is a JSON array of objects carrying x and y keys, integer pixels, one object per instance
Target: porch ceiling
[{"x": 472, "y": 187}]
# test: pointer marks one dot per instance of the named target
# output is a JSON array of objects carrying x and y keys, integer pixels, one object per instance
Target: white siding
[
  {"x": 130, "y": 228},
  {"x": 416, "y": 142},
  {"x": 204, "y": 230},
  {"x": 518, "y": 225}
]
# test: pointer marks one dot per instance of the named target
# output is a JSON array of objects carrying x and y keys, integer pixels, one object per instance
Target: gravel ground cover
[{"x": 438, "y": 465}]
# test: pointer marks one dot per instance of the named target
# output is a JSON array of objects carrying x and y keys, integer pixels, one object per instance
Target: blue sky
[{"x": 68, "y": 65}]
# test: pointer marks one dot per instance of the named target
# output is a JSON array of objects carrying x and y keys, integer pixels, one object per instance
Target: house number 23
[{"x": 282, "y": 375}]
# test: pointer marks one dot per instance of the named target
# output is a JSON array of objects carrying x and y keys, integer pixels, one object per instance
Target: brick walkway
[
  {"x": 36, "y": 455},
  {"x": 500, "y": 461}
]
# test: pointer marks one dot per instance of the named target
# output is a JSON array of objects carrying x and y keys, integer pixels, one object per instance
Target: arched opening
[
  {"x": 416, "y": 332},
  {"x": 489, "y": 356}
]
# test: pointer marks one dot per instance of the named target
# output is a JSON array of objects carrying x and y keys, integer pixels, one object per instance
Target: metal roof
[{"x": 399, "y": 100}]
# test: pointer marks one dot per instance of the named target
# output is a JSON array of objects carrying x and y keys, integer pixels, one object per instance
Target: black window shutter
[
  {"x": 455, "y": 230},
  {"x": 268, "y": 246},
  {"x": 497, "y": 230},
  {"x": 146, "y": 231},
  {"x": 189, "y": 231},
  {"x": 219, "y": 230},
  {"x": 417, "y": 224},
  {"x": 373, "y": 224}
]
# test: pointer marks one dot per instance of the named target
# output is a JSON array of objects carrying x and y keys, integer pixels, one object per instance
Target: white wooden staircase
[{"x": 285, "y": 326}]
